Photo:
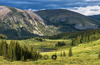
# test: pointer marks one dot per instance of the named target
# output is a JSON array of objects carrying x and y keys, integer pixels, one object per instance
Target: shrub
[
  {"x": 39, "y": 39},
  {"x": 3, "y": 36},
  {"x": 54, "y": 57},
  {"x": 60, "y": 44},
  {"x": 46, "y": 57}
]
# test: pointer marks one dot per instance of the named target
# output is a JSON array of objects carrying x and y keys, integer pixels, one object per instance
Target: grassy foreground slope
[{"x": 83, "y": 54}]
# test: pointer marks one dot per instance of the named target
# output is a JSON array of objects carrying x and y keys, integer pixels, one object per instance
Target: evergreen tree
[
  {"x": 64, "y": 54},
  {"x": 18, "y": 51},
  {"x": 22, "y": 58},
  {"x": 61, "y": 54},
  {"x": 14, "y": 50},
  {"x": 22, "y": 54},
  {"x": 1, "y": 47},
  {"x": 70, "y": 52},
  {"x": 99, "y": 55},
  {"x": 10, "y": 51},
  {"x": 25, "y": 53},
  {"x": 4, "y": 49}
]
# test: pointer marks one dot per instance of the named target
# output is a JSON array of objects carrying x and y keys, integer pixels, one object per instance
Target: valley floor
[{"x": 83, "y": 54}]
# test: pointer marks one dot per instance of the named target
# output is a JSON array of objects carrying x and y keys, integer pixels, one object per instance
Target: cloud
[
  {"x": 92, "y": 0},
  {"x": 88, "y": 10},
  {"x": 19, "y": 2},
  {"x": 34, "y": 9},
  {"x": 54, "y": 5}
]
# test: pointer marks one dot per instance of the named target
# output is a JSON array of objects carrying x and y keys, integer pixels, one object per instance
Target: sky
[{"x": 85, "y": 7}]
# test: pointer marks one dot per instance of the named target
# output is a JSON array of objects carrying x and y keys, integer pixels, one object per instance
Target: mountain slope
[
  {"x": 97, "y": 17},
  {"x": 16, "y": 22},
  {"x": 67, "y": 20},
  {"x": 22, "y": 23}
]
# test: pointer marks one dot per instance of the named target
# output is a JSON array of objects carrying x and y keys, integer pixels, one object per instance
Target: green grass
[{"x": 83, "y": 54}]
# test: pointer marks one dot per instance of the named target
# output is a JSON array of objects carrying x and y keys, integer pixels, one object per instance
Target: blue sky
[{"x": 86, "y": 7}]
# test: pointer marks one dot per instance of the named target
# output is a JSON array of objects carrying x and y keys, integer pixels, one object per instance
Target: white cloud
[
  {"x": 88, "y": 11},
  {"x": 92, "y": 0},
  {"x": 32, "y": 10},
  {"x": 35, "y": 9}
]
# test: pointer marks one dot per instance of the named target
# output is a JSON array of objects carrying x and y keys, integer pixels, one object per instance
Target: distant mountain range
[{"x": 18, "y": 23}]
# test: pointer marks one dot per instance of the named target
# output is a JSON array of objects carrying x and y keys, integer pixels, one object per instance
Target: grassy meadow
[{"x": 83, "y": 54}]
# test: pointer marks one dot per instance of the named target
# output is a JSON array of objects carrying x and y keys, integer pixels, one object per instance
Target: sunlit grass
[{"x": 83, "y": 54}]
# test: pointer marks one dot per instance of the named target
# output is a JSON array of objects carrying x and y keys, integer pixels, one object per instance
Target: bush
[
  {"x": 46, "y": 57},
  {"x": 3, "y": 36},
  {"x": 54, "y": 57},
  {"x": 39, "y": 39},
  {"x": 60, "y": 44}
]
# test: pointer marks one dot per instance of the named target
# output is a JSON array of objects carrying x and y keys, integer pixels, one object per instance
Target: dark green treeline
[
  {"x": 86, "y": 36},
  {"x": 79, "y": 36},
  {"x": 14, "y": 51}
]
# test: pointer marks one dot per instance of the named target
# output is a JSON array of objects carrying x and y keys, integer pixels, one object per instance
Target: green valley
[{"x": 83, "y": 54}]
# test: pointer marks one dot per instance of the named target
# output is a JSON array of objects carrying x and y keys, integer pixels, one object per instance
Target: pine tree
[
  {"x": 61, "y": 54},
  {"x": 22, "y": 54},
  {"x": 1, "y": 47},
  {"x": 10, "y": 51},
  {"x": 70, "y": 52},
  {"x": 64, "y": 54},
  {"x": 25, "y": 53},
  {"x": 14, "y": 50},
  {"x": 4, "y": 49},
  {"x": 78, "y": 40},
  {"x": 99, "y": 55},
  {"x": 83, "y": 39},
  {"x": 22, "y": 58},
  {"x": 18, "y": 51}
]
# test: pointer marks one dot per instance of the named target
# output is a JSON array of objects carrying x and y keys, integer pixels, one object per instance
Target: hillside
[
  {"x": 15, "y": 22},
  {"x": 67, "y": 20},
  {"x": 21, "y": 24},
  {"x": 96, "y": 17}
]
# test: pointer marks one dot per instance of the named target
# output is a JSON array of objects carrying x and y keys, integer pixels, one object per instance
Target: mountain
[
  {"x": 97, "y": 17},
  {"x": 17, "y": 23},
  {"x": 67, "y": 20}
]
